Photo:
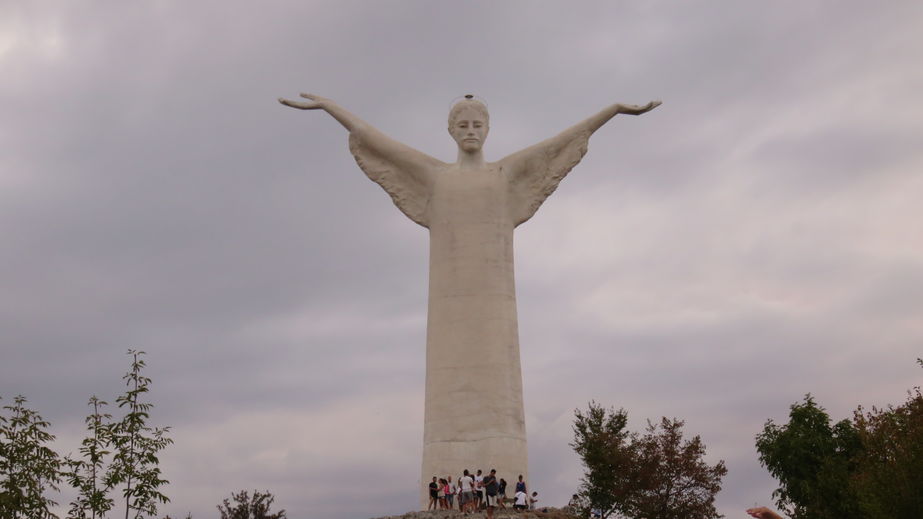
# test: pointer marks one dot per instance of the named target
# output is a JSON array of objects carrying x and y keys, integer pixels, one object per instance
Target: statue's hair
[{"x": 468, "y": 102}]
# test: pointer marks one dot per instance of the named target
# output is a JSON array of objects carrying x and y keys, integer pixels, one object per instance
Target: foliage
[
  {"x": 86, "y": 475},
  {"x": 675, "y": 479},
  {"x": 247, "y": 507},
  {"x": 603, "y": 444},
  {"x": 812, "y": 460},
  {"x": 889, "y": 477},
  {"x": 655, "y": 475},
  {"x": 867, "y": 467},
  {"x": 27, "y": 466},
  {"x": 135, "y": 462}
]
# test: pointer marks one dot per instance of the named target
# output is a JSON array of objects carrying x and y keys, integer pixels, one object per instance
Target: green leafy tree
[
  {"x": 813, "y": 461},
  {"x": 135, "y": 447},
  {"x": 249, "y": 507},
  {"x": 657, "y": 475},
  {"x": 28, "y": 467},
  {"x": 603, "y": 443},
  {"x": 86, "y": 474}
]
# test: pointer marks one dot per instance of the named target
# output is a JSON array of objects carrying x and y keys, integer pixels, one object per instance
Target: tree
[
  {"x": 603, "y": 444},
  {"x": 27, "y": 466},
  {"x": 86, "y": 475},
  {"x": 655, "y": 475},
  {"x": 675, "y": 479},
  {"x": 246, "y": 507},
  {"x": 135, "y": 462},
  {"x": 888, "y": 480},
  {"x": 813, "y": 461},
  {"x": 867, "y": 467}
]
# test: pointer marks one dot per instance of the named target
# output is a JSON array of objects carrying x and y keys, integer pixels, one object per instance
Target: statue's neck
[{"x": 470, "y": 159}]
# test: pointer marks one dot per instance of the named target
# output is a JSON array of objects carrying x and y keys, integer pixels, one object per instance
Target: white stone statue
[{"x": 474, "y": 413}]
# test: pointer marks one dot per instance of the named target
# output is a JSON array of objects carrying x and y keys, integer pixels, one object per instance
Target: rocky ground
[{"x": 540, "y": 513}]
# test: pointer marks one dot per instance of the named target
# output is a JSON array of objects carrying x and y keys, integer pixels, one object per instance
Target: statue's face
[{"x": 469, "y": 130}]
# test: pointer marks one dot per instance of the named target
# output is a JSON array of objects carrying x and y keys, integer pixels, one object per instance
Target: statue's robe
[{"x": 474, "y": 409}]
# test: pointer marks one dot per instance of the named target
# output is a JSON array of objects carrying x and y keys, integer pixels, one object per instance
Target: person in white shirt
[
  {"x": 450, "y": 493},
  {"x": 521, "y": 501},
  {"x": 466, "y": 499},
  {"x": 478, "y": 483}
]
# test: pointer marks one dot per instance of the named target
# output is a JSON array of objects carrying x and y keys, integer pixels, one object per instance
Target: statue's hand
[
  {"x": 637, "y": 110},
  {"x": 763, "y": 513},
  {"x": 316, "y": 103}
]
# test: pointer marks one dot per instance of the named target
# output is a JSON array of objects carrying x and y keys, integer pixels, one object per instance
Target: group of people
[{"x": 478, "y": 491}]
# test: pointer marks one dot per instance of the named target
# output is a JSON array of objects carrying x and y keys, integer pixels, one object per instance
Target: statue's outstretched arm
[
  {"x": 583, "y": 128},
  {"x": 411, "y": 161},
  {"x": 315, "y": 102},
  {"x": 589, "y": 125},
  {"x": 405, "y": 173},
  {"x": 535, "y": 172},
  {"x": 595, "y": 122}
]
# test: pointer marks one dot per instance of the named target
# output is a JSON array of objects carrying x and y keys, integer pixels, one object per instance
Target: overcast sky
[{"x": 757, "y": 237}]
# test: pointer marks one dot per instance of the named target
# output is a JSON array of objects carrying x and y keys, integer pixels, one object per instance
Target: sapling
[
  {"x": 135, "y": 447},
  {"x": 86, "y": 474}
]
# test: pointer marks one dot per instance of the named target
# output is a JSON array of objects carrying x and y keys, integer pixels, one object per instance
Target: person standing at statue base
[
  {"x": 466, "y": 499},
  {"x": 450, "y": 492},
  {"x": 433, "y": 494}
]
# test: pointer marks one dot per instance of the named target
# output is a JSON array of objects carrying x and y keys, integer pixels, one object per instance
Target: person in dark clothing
[
  {"x": 491, "y": 489},
  {"x": 433, "y": 494},
  {"x": 501, "y": 493},
  {"x": 520, "y": 485}
]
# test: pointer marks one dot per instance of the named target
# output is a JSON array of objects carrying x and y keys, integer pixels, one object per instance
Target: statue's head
[{"x": 469, "y": 123}]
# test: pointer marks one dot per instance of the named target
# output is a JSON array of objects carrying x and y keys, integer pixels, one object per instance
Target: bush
[{"x": 247, "y": 507}]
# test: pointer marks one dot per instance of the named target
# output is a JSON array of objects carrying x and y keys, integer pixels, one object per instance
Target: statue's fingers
[
  {"x": 633, "y": 109},
  {"x": 295, "y": 104},
  {"x": 312, "y": 97}
]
